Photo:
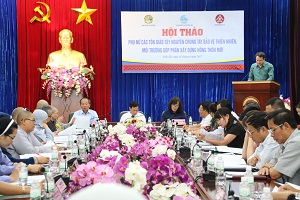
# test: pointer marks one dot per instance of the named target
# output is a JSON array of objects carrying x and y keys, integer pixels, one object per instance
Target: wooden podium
[
  {"x": 66, "y": 105},
  {"x": 261, "y": 90}
]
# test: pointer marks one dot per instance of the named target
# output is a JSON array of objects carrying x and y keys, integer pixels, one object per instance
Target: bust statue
[{"x": 66, "y": 57}]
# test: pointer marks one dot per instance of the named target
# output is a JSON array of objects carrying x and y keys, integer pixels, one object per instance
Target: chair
[
  {"x": 70, "y": 116},
  {"x": 123, "y": 112}
]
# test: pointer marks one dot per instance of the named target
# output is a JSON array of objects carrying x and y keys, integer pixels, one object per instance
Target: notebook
[{"x": 82, "y": 122}]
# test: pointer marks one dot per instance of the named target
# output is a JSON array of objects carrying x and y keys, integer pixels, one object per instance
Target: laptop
[{"x": 82, "y": 122}]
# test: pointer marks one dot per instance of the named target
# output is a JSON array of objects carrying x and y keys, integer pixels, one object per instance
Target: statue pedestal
[{"x": 65, "y": 106}]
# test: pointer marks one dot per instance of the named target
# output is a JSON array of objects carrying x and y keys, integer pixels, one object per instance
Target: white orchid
[
  {"x": 159, "y": 150},
  {"x": 136, "y": 175},
  {"x": 164, "y": 192},
  {"x": 171, "y": 154}
]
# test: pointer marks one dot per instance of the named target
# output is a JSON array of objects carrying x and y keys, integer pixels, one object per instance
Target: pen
[{"x": 38, "y": 153}]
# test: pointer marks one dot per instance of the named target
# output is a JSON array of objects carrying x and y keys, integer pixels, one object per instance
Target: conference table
[{"x": 206, "y": 189}]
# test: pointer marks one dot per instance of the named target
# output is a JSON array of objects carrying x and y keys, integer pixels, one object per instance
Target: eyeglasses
[
  {"x": 251, "y": 132},
  {"x": 33, "y": 120},
  {"x": 270, "y": 131},
  {"x": 12, "y": 138}
]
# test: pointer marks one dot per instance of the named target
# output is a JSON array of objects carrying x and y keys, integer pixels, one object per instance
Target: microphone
[
  {"x": 245, "y": 76},
  {"x": 47, "y": 185},
  {"x": 104, "y": 115},
  {"x": 65, "y": 176},
  {"x": 75, "y": 141},
  {"x": 195, "y": 146}
]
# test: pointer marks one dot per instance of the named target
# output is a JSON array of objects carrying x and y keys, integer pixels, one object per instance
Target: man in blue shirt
[
  {"x": 261, "y": 70},
  {"x": 85, "y": 110}
]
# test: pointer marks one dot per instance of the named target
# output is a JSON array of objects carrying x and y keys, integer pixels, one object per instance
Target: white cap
[
  {"x": 244, "y": 179},
  {"x": 248, "y": 168},
  {"x": 266, "y": 190},
  {"x": 54, "y": 148}
]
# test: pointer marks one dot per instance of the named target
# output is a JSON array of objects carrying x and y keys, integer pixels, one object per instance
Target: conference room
[{"x": 99, "y": 56}]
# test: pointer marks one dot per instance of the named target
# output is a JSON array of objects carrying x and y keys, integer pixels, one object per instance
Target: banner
[{"x": 183, "y": 42}]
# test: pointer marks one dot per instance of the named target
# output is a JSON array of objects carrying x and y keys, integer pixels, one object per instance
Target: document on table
[
  {"x": 234, "y": 162},
  {"x": 224, "y": 149},
  {"x": 25, "y": 156},
  {"x": 30, "y": 179},
  {"x": 68, "y": 131}
]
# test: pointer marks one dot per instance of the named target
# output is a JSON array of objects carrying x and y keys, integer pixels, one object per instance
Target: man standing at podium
[{"x": 261, "y": 70}]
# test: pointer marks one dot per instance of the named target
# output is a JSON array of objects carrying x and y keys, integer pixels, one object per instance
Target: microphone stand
[
  {"x": 78, "y": 157},
  {"x": 65, "y": 176}
]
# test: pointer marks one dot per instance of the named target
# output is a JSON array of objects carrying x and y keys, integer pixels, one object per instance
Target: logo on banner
[
  {"x": 148, "y": 19},
  {"x": 184, "y": 19},
  {"x": 43, "y": 16},
  {"x": 220, "y": 18}
]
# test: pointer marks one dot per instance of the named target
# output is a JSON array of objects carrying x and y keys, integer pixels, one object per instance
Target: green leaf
[
  {"x": 85, "y": 70},
  {"x": 44, "y": 77}
]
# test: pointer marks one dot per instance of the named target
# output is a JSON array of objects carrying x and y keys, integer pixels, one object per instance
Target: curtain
[
  {"x": 295, "y": 55},
  {"x": 8, "y": 55},
  {"x": 266, "y": 29},
  {"x": 36, "y": 40}
]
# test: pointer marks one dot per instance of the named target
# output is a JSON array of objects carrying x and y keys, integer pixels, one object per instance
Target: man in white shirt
[
  {"x": 133, "y": 113},
  {"x": 257, "y": 128},
  {"x": 203, "y": 109},
  {"x": 85, "y": 110}
]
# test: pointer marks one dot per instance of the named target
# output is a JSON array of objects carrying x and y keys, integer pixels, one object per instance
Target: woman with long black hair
[{"x": 234, "y": 132}]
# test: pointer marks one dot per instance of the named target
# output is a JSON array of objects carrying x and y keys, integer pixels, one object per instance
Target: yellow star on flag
[{"x": 84, "y": 13}]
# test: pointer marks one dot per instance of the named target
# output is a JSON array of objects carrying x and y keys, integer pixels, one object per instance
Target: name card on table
[{"x": 60, "y": 185}]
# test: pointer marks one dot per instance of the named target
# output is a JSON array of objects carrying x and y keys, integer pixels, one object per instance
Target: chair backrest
[
  {"x": 70, "y": 116},
  {"x": 123, "y": 112}
]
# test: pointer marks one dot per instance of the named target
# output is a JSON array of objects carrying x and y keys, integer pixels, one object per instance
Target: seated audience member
[
  {"x": 9, "y": 170},
  {"x": 257, "y": 129},
  {"x": 234, "y": 132},
  {"x": 215, "y": 131},
  {"x": 203, "y": 109},
  {"x": 55, "y": 122},
  {"x": 274, "y": 103},
  {"x": 252, "y": 104},
  {"x": 249, "y": 145},
  {"x": 10, "y": 189},
  {"x": 227, "y": 104},
  {"x": 175, "y": 110},
  {"x": 9, "y": 135},
  {"x": 16, "y": 111},
  {"x": 284, "y": 165},
  {"x": 41, "y": 130},
  {"x": 25, "y": 142},
  {"x": 85, "y": 110},
  {"x": 41, "y": 103},
  {"x": 298, "y": 112},
  {"x": 133, "y": 113}
]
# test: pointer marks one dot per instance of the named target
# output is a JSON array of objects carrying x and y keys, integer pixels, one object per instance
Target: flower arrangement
[
  {"x": 140, "y": 158},
  {"x": 62, "y": 80},
  {"x": 287, "y": 102}
]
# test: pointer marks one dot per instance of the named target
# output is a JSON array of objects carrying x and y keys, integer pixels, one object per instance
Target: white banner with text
[{"x": 183, "y": 42}]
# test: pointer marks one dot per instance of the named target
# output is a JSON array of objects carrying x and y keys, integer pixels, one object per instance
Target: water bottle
[
  {"x": 93, "y": 141},
  {"x": 54, "y": 161},
  {"x": 74, "y": 152},
  {"x": 266, "y": 195},
  {"x": 197, "y": 162},
  {"x": 49, "y": 186},
  {"x": 35, "y": 191},
  {"x": 149, "y": 120},
  {"x": 188, "y": 140},
  {"x": 82, "y": 150},
  {"x": 244, "y": 189},
  {"x": 190, "y": 121},
  {"x": 179, "y": 141},
  {"x": 169, "y": 124},
  {"x": 70, "y": 141},
  {"x": 23, "y": 175},
  {"x": 105, "y": 122},
  {"x": 220, "y": 180},
  {"x": 211, "y": 162},
  {"x": 250, "y": 177}
]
